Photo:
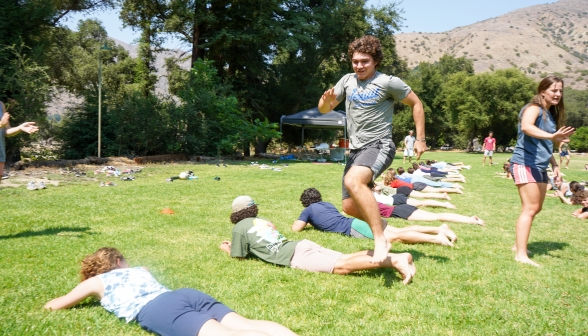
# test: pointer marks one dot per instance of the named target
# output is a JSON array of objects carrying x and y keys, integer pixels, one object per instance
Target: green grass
[{"x": 474, "y": 289}]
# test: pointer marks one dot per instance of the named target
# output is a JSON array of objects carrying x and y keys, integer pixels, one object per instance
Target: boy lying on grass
[
  {"x": 325, "y": 217},
  {"x": 259, "y": 237},
  {"x": 133, "y": 294},
  {"x": 583, "y": 212}
]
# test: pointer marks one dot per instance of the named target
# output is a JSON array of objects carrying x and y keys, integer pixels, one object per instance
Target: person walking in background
[
  {"x": 540, "y": 124},
  {"x": 489, "y": 148},
  {"x": 369, "y": 102},
  {"x": 564, "y": 151},
  {"x": 7, "y": 131},
  {"x": 408, "y": 147}
]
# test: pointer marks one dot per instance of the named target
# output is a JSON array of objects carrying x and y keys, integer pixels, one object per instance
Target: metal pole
[{"x": 99, "y": 102}]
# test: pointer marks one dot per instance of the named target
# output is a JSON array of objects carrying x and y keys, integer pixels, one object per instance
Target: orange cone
[{"x": 167, "y": 211}]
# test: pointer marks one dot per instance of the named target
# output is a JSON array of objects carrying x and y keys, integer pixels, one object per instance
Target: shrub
[{"x": 579, "y": 141}]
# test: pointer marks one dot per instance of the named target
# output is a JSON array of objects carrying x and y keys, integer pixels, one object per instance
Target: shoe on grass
[
  {"x": 42, "y": 185},
  {"x": 32, "y": 186}
]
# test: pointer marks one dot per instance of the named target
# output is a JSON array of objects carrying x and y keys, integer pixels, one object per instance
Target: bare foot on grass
[
  {"x": 459, "y": 191},
  {"x": 381, "y": 249},
  {"x": 477, "y": 220},
  {"x": 443, "y": 240},
  {"x": 450, "y": 206},
  {"x": 404, "y": 265},
  {"x": 447, "y": 196},
  {"x": 526, "y": 260},
  {"x": 448, "y": 233}
]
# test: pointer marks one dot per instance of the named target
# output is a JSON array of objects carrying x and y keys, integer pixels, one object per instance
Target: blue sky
[{"x": 430, "y": 16}]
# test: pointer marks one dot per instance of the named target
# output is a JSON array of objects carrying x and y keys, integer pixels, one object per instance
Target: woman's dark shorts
[
  {"x": 418, "y": 186},
  {"x": 180, "y": 312},
  {"x": 399, "y": 199},
  {"x": 404, "y": 190},
  {"x": 403, "y": 211}
]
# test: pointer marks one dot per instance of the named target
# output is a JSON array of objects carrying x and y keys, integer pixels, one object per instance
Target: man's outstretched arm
[{"x": 418, "y": 114}]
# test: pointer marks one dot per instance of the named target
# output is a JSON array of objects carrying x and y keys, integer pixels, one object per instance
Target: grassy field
[{"x": 473, "y": 289}]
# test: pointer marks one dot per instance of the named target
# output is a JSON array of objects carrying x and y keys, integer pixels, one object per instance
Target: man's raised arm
[{"x": 328, "y": 101}]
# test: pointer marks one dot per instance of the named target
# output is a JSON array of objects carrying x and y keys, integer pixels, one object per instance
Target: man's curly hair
[
  {"x": 367, "y": 45},
  {"x": 309, "y": 196},
  {"x": 102, "y": 261},
  {"x": 248, "y": 212}
]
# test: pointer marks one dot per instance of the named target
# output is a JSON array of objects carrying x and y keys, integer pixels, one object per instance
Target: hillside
[{"x": 539, "y": 40}]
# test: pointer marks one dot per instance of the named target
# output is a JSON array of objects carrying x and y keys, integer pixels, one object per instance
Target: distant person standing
[
  {"x": 408, "y": 147},
  {"x": 540, "y": 123},
  {"x": 369, "y": 102},
  {"x": 7, "y": 131},
  {"x": 489, "y": 148},
  {"x": 564, "y": 151}
]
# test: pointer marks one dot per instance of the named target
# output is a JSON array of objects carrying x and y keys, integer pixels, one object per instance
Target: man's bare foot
[
  {"x": 404, "y": 265},
  {"x": 477, "y": 220},
  {"x": 447, "y": 196},
  {"x": 450, "y": 206},
  {"x": 381, "y": 249},
  {"x": 459, "y": 191},
  {"x": 448, "y": 233},
  {"x": 443, "y": 240},
  {"x": 526, "y": 260}
]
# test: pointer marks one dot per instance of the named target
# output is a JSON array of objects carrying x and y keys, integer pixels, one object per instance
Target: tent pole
[
  {"x": 302, "y": 144},
  {"x": 281, "y": 138}
]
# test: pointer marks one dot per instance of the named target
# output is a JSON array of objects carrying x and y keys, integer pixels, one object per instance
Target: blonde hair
[
  {"x": 102, "y": 261},
  {"x": 389, "y": 176}
]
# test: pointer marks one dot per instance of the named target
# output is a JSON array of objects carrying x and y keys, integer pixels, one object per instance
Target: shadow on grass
[
  {"x": 59, "y": 231},
  {"x": 544, "y": 247}
]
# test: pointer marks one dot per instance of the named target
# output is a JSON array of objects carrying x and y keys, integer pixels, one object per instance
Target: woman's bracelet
[{"x": 423, "y": 140}]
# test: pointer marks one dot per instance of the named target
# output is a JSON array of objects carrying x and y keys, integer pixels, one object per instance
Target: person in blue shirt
[
  {"x": 325, "y": 217},
  {"x": 541, "y": 122}
]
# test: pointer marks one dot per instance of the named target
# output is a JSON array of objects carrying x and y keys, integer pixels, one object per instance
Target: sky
[{"x": 427, "y": 16}]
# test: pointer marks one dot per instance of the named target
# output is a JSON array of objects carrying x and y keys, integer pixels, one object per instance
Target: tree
[
  {"x": 483, "y": 102},
  {"x": 427, "y": 81}
]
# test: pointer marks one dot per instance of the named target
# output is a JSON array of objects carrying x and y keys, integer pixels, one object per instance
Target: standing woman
[
  {"x": 540, "y": 124},
  {"x": 7, "y": 131},
  {"x": 564, "y": 151}
]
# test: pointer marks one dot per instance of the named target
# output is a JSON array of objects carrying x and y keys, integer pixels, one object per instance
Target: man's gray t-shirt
[
  {"x": 370, "y": 106},
  {"x": 409, "y": 141}
]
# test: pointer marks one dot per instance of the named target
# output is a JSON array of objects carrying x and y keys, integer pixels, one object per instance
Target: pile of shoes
[{"x": 32, "y": 186}]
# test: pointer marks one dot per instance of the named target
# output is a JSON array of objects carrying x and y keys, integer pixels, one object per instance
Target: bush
[{"x": 579, "y": 141}]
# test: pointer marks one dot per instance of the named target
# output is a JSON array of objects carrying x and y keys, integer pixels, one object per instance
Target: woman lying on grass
[{"x": 133, "y": 294}]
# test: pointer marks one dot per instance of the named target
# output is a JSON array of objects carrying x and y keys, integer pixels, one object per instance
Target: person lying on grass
[
  {"x": 567, "y": 192},
  {"x": 402, "y": 198},
  {"x": 421, "y": 171},
  {"x": 424, "y": 185},
  {"x": 133, "y": 294},
  {"x": 325, "y": 217},
  {"x": 583, "y": 212},
  {"x": 411, "y": 213},
  {"x": 259, "y": 237}
]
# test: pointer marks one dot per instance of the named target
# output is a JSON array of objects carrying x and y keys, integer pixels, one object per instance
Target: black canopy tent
[{"x": 314, "y": 119}]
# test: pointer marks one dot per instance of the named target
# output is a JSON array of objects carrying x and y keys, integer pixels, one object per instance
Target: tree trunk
[
  {"x": 261, "y": 147},
  {"x": 246, "y": 150}
]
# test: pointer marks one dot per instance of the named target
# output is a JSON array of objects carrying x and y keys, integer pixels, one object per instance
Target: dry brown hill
[{"x": 539, "y": 40}]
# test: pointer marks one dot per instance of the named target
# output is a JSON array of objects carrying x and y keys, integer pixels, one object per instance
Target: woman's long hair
[{"x": 557, "y": 111}]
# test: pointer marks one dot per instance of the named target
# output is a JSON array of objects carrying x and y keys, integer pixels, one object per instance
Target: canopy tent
[{"x": 314, "y": 119}]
